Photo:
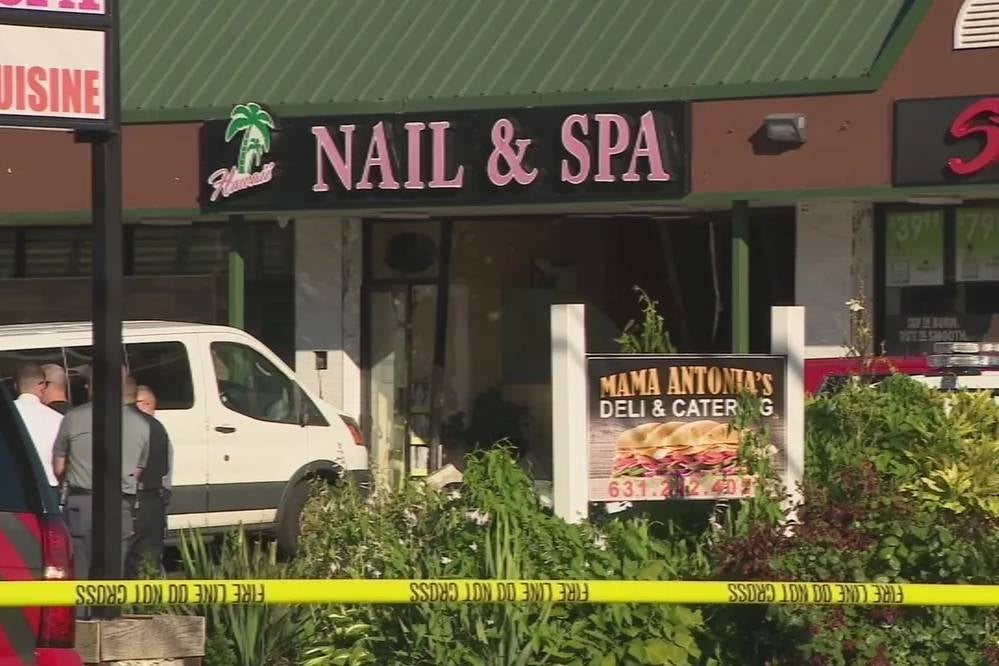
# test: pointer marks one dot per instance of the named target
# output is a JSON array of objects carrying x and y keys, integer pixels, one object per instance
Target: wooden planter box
[{"x": 142, "y": 640}]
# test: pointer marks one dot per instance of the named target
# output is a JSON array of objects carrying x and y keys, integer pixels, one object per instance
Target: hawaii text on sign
[
  {"x": 946, "y": 141},
  {"x": 52, "y": 63},
  {"x": 254, "y": 161}
]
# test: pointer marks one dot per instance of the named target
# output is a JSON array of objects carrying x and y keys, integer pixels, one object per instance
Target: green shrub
[
  {"x": 870, "y": 516},
  {"x": 496, "y": 528},
  {"x": 900, "y": 486}
]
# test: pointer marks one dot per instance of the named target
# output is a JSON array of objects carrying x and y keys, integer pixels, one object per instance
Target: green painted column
[
  {"x": 740, "y": 277},
  {"x": 237, "y": 272}
]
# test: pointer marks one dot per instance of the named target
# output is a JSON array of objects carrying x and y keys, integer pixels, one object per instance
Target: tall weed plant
[
  {"x": 650, "y": 336},
  {"x": 244, "y": 635}
]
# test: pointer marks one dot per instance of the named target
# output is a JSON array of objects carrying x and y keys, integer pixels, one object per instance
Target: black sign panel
[
  {"x": 256, "y": 161},
  {"x": 946, "y": 141},
  {"x": 914, "y": 335},
  {"x": 660, "y": 426}
]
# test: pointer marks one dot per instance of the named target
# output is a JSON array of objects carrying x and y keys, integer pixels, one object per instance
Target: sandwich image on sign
[{"x": 654, "y": 449}]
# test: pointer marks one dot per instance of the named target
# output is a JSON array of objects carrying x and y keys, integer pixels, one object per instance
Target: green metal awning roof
[{"x": 193, "y": 59}]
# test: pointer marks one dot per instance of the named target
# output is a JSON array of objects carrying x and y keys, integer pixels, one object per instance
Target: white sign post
[
  {"x": 570, "y": 449},
  {"x": 787, "y": 338}
]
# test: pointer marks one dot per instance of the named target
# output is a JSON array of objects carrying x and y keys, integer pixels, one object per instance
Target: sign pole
[
  {"x": 570, "y": 450},
  {"x": 787, "y": 338},
  {"x": 106, "y": 381},
  {"x": 740, "y": 277}
]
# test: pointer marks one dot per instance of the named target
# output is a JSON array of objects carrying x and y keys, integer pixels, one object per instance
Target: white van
[{"x": 246, "y": 435}]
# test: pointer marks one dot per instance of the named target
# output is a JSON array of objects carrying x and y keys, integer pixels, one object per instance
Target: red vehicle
[
  {"x": 828, "y": 375},
  {"x": 34, "y": 545}
]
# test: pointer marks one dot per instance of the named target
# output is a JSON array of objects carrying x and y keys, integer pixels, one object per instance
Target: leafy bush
[
  {"x": 900, "y": 485},
  {"x": 496, "y": 528},
  {"x": 883, "y": 504}
]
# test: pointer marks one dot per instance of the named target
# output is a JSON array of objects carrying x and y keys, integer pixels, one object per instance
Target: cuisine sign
[
  {"x": 54, "y": 64},
  {"x": 661, "y": 427}
]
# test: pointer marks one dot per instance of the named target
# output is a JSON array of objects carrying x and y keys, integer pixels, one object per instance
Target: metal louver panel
[
  {"x": 179, "y": 250},
  {"x": 8, "y": 250},
  {"x": 276, "y": 251},
  {"x": 57, "y": 252},
  {"x": 977, "y": 25}
]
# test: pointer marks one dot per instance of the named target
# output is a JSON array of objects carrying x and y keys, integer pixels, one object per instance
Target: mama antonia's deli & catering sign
[{"x": 660, "y": 427}]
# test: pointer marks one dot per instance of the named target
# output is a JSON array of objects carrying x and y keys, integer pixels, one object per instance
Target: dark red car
[
  {"x": 34, "y": 545},
  {"x": 827, "y": 375}
]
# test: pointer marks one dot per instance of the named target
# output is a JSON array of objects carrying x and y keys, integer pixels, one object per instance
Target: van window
[
  {"x": 11, "y": 361},
  {"x": 313, "y": 416},
  {"x": 163, "y": 367},
  {"x": 251, "y": 385}
]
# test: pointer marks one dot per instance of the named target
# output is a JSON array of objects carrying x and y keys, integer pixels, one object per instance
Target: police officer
[
  {"x": 73, "y": 462},
  {"x": 146, "y": 548}
]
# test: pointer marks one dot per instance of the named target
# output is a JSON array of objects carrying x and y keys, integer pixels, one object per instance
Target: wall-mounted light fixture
[{"x": 787, "y": 127}]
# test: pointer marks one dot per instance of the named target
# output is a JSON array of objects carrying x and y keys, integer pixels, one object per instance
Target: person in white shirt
[{"x": 41, "y": 422}]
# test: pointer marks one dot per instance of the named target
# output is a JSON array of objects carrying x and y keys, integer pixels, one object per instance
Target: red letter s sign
[{"x": 962, "y": 128}]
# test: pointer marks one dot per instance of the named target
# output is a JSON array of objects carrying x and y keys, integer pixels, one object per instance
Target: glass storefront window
[
  {"x": 939, "y": 271},
  {"x": 502, "y": 278}
]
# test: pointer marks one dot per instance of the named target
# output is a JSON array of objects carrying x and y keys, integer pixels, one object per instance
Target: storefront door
[
  {"x": 402, "y": 330},
  {"x": 402, "y": 341}
]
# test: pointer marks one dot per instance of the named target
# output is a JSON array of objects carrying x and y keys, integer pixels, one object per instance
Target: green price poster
[
  {"x": 977, "y": 245},
  {"x": 914, "y": 249}
]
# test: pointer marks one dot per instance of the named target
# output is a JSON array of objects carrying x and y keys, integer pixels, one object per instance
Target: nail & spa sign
[{"x": 254, "y": 160}]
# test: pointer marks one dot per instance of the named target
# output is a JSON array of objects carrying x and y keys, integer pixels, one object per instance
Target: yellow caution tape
[{"x": 213, "y": 592}]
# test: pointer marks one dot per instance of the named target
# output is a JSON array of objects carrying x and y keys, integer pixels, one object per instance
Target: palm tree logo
[{"x": 255, "y": 124}]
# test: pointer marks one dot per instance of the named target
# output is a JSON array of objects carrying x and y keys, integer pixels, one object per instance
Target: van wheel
[{"x": 290, "y": 527}]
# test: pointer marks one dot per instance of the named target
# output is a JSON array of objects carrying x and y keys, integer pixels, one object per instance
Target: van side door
[
  {"x": 257, "y": 440},
  {"x": 172, "y": 369}
]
